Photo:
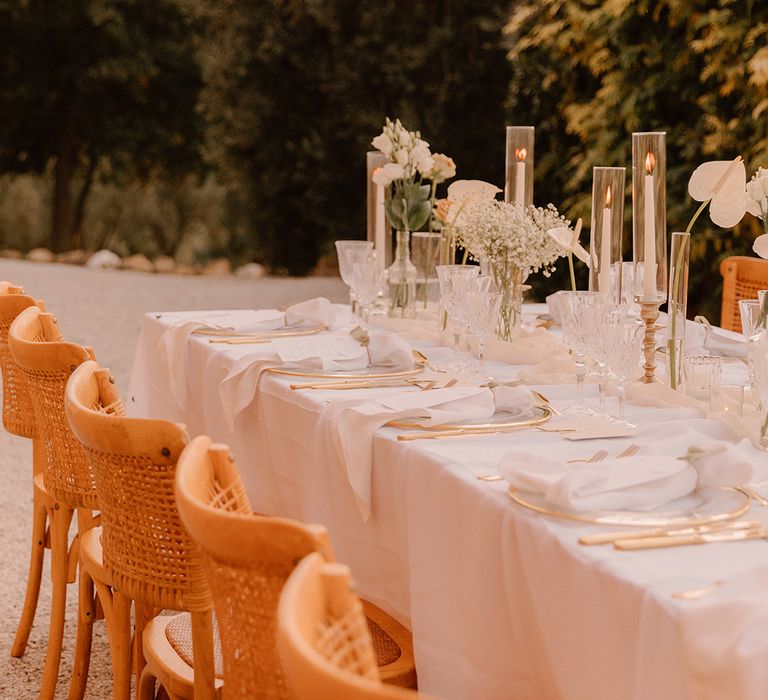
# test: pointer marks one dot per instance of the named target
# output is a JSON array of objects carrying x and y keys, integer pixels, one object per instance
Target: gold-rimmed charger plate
[
  {"x": 365, "y": 373},
  {"x": 503, "y": 420},
  {"x": 703, "y": 506}
]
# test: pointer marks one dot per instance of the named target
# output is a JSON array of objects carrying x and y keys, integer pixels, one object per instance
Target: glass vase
[
  {"x": 508, "y": 278},
  {"x": 402, "y": 280},
  {"x": 426, "y": 255},
  {"x": 677, "y": 307}
]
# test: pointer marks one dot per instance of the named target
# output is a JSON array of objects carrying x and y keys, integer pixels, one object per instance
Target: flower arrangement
[
  {"x": 409, "y": 202},
  {"x": 513, "y": 240},
  {"x": 510, "y": 232}
]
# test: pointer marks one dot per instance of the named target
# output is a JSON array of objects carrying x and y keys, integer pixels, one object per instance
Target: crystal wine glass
[
  {"x": 601, "y": 321},
  {"x": 343, "y": 250},
  {"x": 366, "y": 276},
  {"x": 625, "y": 350},
  {"x": 481, "y": 310},
  {"x": 758, "y": 356},
  {"x": 576, "y": 310},
  {"x": 451, "y": 279}
]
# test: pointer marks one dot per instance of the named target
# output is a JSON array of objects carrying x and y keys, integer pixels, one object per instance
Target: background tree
[
  {"x": 589, "y": 74},
  {"x": 296, "y": 89},
  {"x": 96, "y": 86}
]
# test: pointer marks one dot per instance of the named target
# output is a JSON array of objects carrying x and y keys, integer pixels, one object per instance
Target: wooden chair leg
[
  {"x": 37, "y": 555},
  {"x": 60, "y": 518},
  {"x": 146, "y": 685},
  {"x": 85, "y": 616},
  {"x": 202, "y": 648},
  {"x": 120, "y": 645},
  {"x": 142, "y": 614}
]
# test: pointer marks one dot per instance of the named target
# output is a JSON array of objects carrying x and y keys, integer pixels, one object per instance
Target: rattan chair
[
  {"x": 248, "y": 559},
  {"x": 743, "y": 277},
  {"x": 19, "y": 419},
  {"x": 323, "y": 638},
  {"x": 146, "y": 554},
  {"x": 46, "y": 362}
]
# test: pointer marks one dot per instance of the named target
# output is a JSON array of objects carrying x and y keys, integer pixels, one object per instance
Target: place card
[
  {"x": 328, "y": 349},
  {"x": 594, "y": 428}
]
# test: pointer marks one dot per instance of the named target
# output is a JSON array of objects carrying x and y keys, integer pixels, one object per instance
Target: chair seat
[
  {"x": 392, "y": 647},
  {"x": 168, "y": 649}
]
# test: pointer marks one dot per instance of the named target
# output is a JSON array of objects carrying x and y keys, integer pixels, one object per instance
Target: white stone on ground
[{"x": 101, "y": 308}]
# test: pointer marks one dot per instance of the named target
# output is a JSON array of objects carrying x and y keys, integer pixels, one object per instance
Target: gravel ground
[{"x": 101, "y": 308}]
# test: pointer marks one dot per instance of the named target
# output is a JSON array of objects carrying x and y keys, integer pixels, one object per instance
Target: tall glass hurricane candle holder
[
  {"x": 379, "y": 230},
  {"x": 677, "y": 305},
  {"x": 649, "y": 234},
  {"x": 605, "y": 274},
  {"x": 518, "y": 185}
]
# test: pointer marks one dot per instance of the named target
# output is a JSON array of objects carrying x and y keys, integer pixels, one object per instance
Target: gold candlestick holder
[{"x": 649, "y": 312}]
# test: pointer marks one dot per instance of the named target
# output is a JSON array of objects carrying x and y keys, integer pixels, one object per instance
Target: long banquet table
[{"x": 503, "y": 602}]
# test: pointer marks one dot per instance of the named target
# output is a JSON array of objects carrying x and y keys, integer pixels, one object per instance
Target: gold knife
[
  {"x": 611, "y": 537},
  {"x": 725, "y": 536}
]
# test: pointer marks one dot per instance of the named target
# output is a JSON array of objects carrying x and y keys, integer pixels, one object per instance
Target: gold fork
[
  {"x": 599, "y": 456},
  {"x": 628, "y": 451}
]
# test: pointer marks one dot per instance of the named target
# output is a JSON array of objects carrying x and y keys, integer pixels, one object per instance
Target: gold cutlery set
[
  {"x": 728, "y": 531},
  {"x": 423, "y": 384}
]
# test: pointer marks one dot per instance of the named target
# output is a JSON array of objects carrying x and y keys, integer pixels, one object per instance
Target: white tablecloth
[{"x": 502, "y": 602}]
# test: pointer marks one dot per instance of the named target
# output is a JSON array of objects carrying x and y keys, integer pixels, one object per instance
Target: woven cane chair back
[
  {"x": 743, "y": 277},
  {"x": 47, "y": 361},
  {"x": 18, "y": 411},
  {"x": 147, "y": 552},
  {"x": 248, "y": 559},
  {"x": 323, "y": 637}
]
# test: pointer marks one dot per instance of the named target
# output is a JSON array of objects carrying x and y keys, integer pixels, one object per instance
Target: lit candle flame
[
  {"x": 375, "y": 170},
  {"x": 608, "y": 198},
  {"x": 521, "y": 153},
  {"x": 650, "y": 163}
]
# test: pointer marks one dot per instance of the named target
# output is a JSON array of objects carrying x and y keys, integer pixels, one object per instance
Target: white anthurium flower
[
  {"x": 387, "y": 173},
  {"x": 722, "y": 183},
  {"x": 464, "y": 193},
  {"x": 760, "y": 246},
  {"x": 757, "y": 194},
  {"x": 568, "y": 239},
  {"x": 383, "y": 143}
]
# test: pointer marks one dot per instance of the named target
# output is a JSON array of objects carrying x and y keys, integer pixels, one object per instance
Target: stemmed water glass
[
  {"x": 481, "y": 311},
  {"x": 344, "y": 249},
  {"x": 577, "y": 310},
  {"x": 625, "y": 342},
  {"x": 601, "y": 321},
  {"x": 453, "y": 280},
  {"x": 366, "y": 277}
]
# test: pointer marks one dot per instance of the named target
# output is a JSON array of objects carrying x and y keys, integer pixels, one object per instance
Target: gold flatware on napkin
[
  {"x": 696, "y": 593},
  {"x": 677, "y": 541},
  {"x": 611, "y": 537}
]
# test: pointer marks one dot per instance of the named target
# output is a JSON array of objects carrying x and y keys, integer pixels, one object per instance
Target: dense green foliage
[
  {"x": 296, "y": 90},
  {"x": 99, "y": 89},
  {"x": 588, "y": 74}
]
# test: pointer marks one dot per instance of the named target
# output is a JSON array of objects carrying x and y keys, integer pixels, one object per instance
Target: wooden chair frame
[
  {"x": 743, "y": 277},
  {"x": 46, "y": 361}
]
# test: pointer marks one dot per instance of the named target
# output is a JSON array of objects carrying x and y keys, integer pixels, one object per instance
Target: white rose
[
  {"x": 444, "y": 168},
  {"x": 391, "y": 171},
  {"x": 383, "y": 143}
]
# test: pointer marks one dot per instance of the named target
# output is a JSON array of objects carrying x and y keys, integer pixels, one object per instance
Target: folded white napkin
[
  {"x": 633, "y": 483},
  {"x": 173, "y": 342},
  {"x": 353, "y": 427},
  {"x": 327, "y": 352},
  {"x": 701, "y": 339},
  {"x": 319, "y": 311}
]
